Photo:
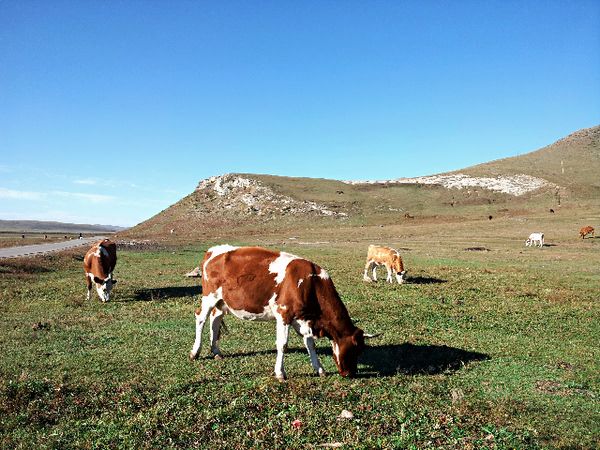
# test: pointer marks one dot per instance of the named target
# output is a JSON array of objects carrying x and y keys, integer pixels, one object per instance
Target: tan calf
[{"x": 384, "y": 256}]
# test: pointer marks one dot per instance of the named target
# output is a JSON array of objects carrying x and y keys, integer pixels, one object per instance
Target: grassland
[{"x": 496, "y": 348}]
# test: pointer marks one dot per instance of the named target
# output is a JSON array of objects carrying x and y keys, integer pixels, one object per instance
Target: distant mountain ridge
[
  {"x": 563, "y": 174},
  {"x": 28, "y": 226}
]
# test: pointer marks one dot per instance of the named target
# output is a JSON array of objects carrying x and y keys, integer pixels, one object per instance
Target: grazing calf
[
  {"x": 99, "y": 263},
  {"x": 585, "y": 231},
  {"x": 535, "y": 239},
  {"x": 254, "y": 283},
  {"x": 388, "y": 257}
]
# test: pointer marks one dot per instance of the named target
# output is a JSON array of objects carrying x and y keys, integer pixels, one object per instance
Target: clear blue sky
[{"x": 110, "y": 111}]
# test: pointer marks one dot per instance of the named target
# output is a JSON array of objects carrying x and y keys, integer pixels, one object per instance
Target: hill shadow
[
  {"x": 424, "y": 280},
  {"x": 411, "y": 359},
  {"x": 165, "y": 293}
]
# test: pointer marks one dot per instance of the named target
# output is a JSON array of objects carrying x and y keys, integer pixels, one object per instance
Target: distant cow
[
  {"x": 254, "y": 283},
  {"x": 585, "y": 231},
  {"x": 99, "y": 263},
  {"x": 384, "y": 256},
  {"x": 535, "y": 239}
]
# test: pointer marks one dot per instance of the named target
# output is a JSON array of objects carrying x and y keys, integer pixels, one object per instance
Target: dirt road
[{"x": 39, "y": 249}]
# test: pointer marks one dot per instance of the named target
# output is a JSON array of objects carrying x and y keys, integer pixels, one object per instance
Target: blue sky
[{"x": 111, "y": 111}]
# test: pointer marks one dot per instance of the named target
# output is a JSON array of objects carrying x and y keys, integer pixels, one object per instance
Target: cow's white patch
[
  {"x": 279, "y": 266},
  {"x": 300, "y": 281},
  {"x": 268, "y": 313},
  {"x": 304, "y": 328},
  {"x": 323, "y": 275},
  {"x": 216, "y": 251},
  {"x": 336, "y": 350}
]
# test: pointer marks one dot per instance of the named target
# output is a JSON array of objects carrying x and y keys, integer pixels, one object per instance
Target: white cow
[{"x": 535, "y": 239}]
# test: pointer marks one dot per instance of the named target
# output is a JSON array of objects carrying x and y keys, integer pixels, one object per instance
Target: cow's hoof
[
  {"x": 218, "y": 356},
  {"x": 193, "y": 356},
  {"x": 368, "y": 280},
  {"x": 322, "y": 373},
  {"x": 281, "y": 378}
]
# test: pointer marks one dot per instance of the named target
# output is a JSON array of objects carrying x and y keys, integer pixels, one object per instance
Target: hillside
[
  {"x": 29, "y": 226},
  {"x": 561, "y": 175}
]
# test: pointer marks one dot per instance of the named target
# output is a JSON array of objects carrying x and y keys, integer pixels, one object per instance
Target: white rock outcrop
[
  {"x": 235, "y": 192},
  {"x": 508, "y": 184}
]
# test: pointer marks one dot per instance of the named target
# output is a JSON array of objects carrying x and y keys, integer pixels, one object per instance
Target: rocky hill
[{"x": 562, "y": 174}]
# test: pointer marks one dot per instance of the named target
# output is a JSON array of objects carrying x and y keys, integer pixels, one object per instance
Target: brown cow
[
  {"x": 99, "y": 263},
  {"x": 388, "y": 257},
  {"x": 254, "y": 283},
  {"x": 585, "y": 231}
]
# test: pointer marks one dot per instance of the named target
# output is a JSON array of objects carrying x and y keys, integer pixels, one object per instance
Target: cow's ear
[
  {"x": 358, "y": 337},
  {"x": 98, "y": 280}
]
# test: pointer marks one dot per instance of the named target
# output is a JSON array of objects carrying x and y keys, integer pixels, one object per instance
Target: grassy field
[{"x": 489, "y": 348}]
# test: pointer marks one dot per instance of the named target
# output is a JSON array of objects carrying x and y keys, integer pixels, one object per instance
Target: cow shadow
[
  {"x": 390, "y": 360},
  {"x": 166, "y": 293},
  {"x": 425, "y": 280},
  {"x": 411, "y": 359}
]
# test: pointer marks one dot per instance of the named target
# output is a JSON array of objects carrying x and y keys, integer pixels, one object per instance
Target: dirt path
[{"x": 39, "y": 249}]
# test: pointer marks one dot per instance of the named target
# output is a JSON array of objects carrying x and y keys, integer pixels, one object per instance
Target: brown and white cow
[
  {"x": 384, "y": 256},
  {"x": 254, "y": 283},
  {"x": 585, "y": 231},
  {"x": 99, "y": 263}
]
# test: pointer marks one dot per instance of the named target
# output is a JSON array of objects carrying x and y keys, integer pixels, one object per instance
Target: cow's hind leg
[
  {"x": 208, "y": 303},
  {"x": 367, "y": 268},
  {"x": 89, "y": 285},
  {"x": 304, "y": 330}
]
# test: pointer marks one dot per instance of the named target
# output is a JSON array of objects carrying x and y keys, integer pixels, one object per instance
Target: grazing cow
[
  {"x": 585, "y": 231},
  {"x": 254, "y": 283},
  {"x": 99, "y": 263},
  {"x": 535, "y": 239},
  {"x": 388, "y": 257}
]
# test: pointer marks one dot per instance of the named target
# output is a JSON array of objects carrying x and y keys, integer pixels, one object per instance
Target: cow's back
[{"x": 101, "y": 258}]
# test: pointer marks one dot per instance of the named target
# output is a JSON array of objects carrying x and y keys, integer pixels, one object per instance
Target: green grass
[{"x": 493, "y": 349}]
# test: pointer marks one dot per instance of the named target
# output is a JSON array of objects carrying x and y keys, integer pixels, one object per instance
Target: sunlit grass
[{"x": 478, "y": 350}]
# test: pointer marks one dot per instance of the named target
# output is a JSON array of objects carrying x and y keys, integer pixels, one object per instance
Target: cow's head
[
  {"x": 400, "y": 276},
  {"x": 103, "y": 287},
  {"x": 398, "y": 268},
  {"x": 346, "y": 351}
]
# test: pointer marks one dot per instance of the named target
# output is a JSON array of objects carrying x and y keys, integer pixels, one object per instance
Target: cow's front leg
[
  {"x": 216, "y": 317},
  {"x": 282, "y": 339},
  {"x": 208, "y": 303},
  {"x": 304, "y": 330},
  {"x": 374, "y": 272},
  {"x": 389, "y": 274}
]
